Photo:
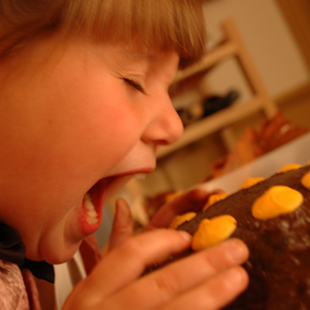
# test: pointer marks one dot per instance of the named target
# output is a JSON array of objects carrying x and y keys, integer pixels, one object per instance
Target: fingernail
[
  {"x": 236, "y": 250},
  {"x": 185, "y": 235}
]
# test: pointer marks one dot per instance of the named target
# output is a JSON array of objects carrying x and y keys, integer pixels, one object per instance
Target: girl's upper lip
[
  {"x": 98, "y": 190},
  {"x": 132, "y": 172}
]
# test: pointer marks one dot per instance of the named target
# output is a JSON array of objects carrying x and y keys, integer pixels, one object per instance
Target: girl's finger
[
  {"x": 122, "y": 228},
  {"x": 217, "y": 292},
  {"x": 193, "y": 200},
  {"x": 128, "y": 261},
  {"x": 185, "y": 275}
]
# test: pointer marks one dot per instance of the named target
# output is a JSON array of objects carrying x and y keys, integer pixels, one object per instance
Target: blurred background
[{"x": 249, "y": 95}]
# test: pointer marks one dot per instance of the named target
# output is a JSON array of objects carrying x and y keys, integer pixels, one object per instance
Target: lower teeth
[
  {"x": 92, "y": 217},
  {"x": 91, "y": 220}
]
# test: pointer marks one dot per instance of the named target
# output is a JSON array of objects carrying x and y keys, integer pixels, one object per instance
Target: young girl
[{"x": 84, "y": 106}]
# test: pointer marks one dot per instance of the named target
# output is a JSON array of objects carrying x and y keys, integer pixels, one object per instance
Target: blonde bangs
[{"x": 176, "y": 25}]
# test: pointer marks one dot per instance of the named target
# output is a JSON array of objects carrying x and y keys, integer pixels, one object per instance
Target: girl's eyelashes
[{"x": 135, "y": 85}]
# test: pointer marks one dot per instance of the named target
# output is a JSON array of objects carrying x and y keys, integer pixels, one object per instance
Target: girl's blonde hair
[{"x": 176, "y": 25}]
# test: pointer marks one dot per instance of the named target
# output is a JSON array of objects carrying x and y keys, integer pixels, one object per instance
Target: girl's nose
[{"x": 166, "y": 126}]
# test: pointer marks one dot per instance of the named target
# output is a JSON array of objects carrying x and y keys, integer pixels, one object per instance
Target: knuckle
[
  {"x": 167, "y": 284},
  {"x": 131, "y": 249},
  {"x": 213, "y": 262}
]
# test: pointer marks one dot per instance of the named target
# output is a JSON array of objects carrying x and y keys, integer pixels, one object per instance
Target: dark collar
[{"x": 12, "y": 249}]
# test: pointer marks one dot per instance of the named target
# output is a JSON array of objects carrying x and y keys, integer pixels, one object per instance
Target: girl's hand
[
  {"x": 192, "y": 200},
  {"x": 206, "y": 280},
  {"x": 122, "y": 229}
]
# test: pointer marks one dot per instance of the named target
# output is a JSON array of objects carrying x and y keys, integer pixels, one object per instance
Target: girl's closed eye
[{"x": 135, "y": 85}]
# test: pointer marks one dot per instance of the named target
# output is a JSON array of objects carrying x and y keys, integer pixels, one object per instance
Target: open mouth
[
  {"x": 93, "y": 202},
  {"x": 98, "y": 194},
  {"x": 95, "y": 198}
]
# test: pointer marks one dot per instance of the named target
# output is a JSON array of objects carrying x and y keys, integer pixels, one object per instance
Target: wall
[{"x": 268, "y": 39}]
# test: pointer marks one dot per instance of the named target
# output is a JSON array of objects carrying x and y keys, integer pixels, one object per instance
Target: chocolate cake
[{"x": 279, "y": 262}]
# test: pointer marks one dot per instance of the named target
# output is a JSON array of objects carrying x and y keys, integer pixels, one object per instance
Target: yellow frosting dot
[
  {"x": 305, "y": 181},
  {"x": 276, "y": 201},
  {"x": 289, "y": 167},
  {"x": 180, "y": 219},
  {"x": 251, "y": 181},
  {"x": 212, "y": 232},
  {"x": 213, "y": 199}
]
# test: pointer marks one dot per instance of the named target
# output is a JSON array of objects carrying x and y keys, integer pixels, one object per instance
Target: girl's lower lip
[
  {"x": 90, "y": 223},
  {"x": 88, "y": 227}
]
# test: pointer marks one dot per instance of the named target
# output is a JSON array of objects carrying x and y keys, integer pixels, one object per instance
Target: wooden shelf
[
  {"x": 222, "y": 52},
  {"x": 232, "y": 46},
  {"x": 212, "y": 124}
]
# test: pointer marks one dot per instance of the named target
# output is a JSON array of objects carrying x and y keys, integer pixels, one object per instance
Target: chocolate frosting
[{"x": 279, "y": 262}]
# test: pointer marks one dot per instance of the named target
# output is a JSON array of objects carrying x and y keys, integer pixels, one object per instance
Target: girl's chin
[{"x": 57, "y": 254}]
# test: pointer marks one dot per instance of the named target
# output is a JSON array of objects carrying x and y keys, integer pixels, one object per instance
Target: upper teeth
[{"x": 92, "y": 216}]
